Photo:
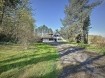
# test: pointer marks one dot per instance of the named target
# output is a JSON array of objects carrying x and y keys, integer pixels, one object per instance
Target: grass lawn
[{"x": 39, "y": 61}]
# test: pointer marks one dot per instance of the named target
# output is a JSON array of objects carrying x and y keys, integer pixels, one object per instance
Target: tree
[
  {"x": 44, "y": 31},
  {"x": 86, "y": 29},
  {"x": 17, "y": 21},
  {"x": 25, "y": 29},
  {"x": 7, "y": 4},
  {"x": 76, "y": 14}
]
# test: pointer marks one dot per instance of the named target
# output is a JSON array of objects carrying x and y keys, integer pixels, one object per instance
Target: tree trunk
[{"x": 85, "y": 37}]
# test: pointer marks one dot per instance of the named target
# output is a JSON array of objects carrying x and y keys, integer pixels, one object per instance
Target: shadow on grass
[
  {"x": 17, "y": 58},
  {"x": 31, "y": 60},
  {"x": 82, "y": 67}
]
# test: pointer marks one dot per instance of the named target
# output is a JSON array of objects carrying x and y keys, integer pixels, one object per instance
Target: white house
[{"x": 53, "y": 38}]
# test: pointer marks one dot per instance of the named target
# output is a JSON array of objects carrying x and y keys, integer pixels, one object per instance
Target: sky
[{"x": 49, "y": 13}]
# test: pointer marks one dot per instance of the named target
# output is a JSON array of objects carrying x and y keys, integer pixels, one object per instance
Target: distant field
[{"x": 39, "y": 61}]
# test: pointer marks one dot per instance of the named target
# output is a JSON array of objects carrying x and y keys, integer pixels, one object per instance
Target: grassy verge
[
  {"x": 39, "y": 61},
  {"x": 94, "y": 48},
  {"x": 91, "y": 47}
]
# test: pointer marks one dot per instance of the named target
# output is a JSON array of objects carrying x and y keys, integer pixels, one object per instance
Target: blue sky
[{"x": 49, "y": 13}]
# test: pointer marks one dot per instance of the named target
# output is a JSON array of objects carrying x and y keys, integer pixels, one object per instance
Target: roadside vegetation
[
  {"x": 39, "y": 61},
  {"x": 96, "y": 44}
]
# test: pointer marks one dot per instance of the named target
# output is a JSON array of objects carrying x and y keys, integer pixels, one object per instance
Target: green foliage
[
  {"x": 77, "y": 20},
  {"x": 16, "y": 21},
  {"x": 39, "y": 61},
  {"x": 4, "y": 4},
  {"x": 82, "y": 45},
  {"x": 43, "y": 31},
  {"x": 96, "y": 44}
]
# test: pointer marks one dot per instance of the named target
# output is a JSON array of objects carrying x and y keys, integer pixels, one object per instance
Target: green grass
[
  {"x": 39, "y": 61},
  {"x": 91, "y": 47},
  {"x": 97, "y": 49}
]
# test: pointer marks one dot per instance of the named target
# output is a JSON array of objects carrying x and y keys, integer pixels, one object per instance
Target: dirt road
[{"x": 77, "y": 63}]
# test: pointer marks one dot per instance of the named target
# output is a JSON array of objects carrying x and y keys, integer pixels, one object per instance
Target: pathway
[{"x": 77, "y": 63}]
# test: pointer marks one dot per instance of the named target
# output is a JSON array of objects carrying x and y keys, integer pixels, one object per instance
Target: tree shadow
[
  {"x": 81, "y": 67},
  {"x": 69, "y": 50},
  {"x": 28, "y": 61},
  {"x": 17, "y": 58}
]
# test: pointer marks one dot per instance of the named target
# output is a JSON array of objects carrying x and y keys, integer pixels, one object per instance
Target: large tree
[
  {"x": 77, "y": 14},
  {"x": 16, "y": 21}
]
